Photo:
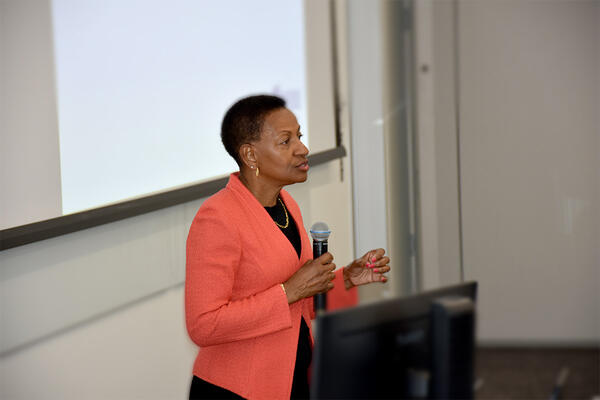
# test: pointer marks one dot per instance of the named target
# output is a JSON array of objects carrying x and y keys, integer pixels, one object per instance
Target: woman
[{"x": 250, "y": 276}]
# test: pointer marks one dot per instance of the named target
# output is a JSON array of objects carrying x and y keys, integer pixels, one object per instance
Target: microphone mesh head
[{"x": 319, "y": 231}]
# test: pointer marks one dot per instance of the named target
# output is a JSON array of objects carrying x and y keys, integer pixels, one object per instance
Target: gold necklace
[{"x": 287, "y": 219}]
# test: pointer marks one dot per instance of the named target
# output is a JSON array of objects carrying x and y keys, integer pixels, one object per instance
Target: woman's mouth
[{"x": 303, "y": 166}]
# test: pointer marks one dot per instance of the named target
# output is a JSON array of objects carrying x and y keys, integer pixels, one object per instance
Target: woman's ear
[{"x": 248, "y": 155}]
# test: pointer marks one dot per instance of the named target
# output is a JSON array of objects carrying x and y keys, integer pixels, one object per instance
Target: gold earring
[{"x": 256, "y": 171}]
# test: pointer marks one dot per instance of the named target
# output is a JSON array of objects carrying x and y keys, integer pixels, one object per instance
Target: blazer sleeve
[
  {"x": 213, "y": 252},
  {"x": 340, "y": 297}
]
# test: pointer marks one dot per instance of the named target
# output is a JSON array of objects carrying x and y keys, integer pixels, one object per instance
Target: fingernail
[
  {"x": 376, "y": 270},
  {"x": 369, "y": 265},
  {"x": 373, "y": 259}
]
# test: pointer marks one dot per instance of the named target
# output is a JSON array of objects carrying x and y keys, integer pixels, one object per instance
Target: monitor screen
[{"x": 418, "y": 346}]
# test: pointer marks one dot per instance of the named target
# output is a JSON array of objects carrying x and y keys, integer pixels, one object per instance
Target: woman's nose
[{"x": 302, "y": 150}]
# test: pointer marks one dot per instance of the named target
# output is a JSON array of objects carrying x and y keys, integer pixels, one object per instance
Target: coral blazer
[{"x": 236, "y": 310}]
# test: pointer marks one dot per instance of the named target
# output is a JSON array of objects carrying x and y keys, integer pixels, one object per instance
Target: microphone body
[
  {"x": 320, "y": 300},
  {"x": 320, "y": 234}
]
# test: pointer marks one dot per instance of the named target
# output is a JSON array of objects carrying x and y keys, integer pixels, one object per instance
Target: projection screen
[{"x": 109, "y": 101}]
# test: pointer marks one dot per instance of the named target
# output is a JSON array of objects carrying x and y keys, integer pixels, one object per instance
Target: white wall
[
  {"x": 379, "y": 39},
  {"x": 141, "y": 351},
  {"x": 72, "y": 313},
  {"x": 528, "y": 101},
  {"x": 425, "y": 149},
  {"x": 447, "y": 179},
  {"x": 399, "y": 135},
  {"x": 365, "y": 71},
  {"x": 28, "y": 120}
]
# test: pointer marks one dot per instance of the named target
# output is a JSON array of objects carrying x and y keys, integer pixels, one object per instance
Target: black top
[
  {"x": 281, "y": 215},
  {"x": 300, "y": 389},
  {"x": 201, "y": 389}
]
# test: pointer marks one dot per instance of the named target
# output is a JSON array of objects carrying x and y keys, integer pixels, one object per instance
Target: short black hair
[{"x": 244, "y": 120}]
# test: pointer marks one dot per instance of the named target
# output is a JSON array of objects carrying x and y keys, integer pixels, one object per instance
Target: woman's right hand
[{"x": 314, "y": 277}]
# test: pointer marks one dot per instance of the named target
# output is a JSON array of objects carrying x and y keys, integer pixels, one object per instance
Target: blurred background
[{"x": 471, "y": 131}]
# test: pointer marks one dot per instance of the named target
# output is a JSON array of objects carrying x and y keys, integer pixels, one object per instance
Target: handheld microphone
[{"x": 320, "y": 233}]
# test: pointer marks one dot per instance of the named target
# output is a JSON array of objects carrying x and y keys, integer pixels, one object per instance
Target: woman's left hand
[{"x": 369, "y": 268}]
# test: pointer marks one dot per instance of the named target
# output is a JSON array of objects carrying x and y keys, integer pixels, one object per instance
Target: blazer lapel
[{"x": 270, "y": 234}]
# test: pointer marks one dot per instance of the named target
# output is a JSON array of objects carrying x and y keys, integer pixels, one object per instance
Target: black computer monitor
[{"x": 419, "y": 346}]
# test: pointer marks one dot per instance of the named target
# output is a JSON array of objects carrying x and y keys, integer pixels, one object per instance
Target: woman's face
[{"x": 280, "y": 155}]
